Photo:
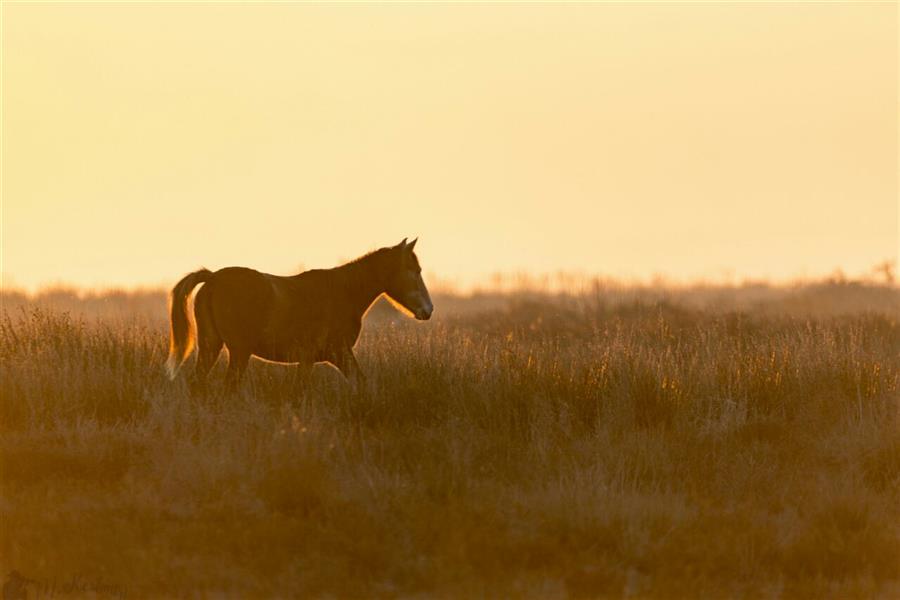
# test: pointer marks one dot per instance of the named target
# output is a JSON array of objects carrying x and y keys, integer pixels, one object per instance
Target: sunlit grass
[{"x": 521, "y": 445}]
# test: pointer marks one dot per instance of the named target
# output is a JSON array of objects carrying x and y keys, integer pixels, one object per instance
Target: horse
[{"x": 309, "y": 318}]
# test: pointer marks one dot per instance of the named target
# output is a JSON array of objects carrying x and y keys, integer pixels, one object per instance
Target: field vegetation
[{"x": 654, "y": 442}]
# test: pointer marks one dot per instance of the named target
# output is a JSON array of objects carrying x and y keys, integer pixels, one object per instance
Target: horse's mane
[{"x": 367, "y": 255}]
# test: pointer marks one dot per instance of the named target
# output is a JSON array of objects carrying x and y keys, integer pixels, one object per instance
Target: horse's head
[{"x": 405, "y": 286}]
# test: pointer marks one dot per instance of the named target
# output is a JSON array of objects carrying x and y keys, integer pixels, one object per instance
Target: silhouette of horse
[{"x": 312, "y": 317}]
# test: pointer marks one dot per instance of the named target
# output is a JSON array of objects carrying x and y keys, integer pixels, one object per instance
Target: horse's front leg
[{"x": 346, "y": 362}]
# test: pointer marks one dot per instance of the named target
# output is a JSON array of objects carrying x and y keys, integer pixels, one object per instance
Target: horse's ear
[
  {"x": 412, "y": 244},
  {"x": 402, "y": 244}
]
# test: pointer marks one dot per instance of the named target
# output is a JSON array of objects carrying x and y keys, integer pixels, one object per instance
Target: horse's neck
[{"x": 365, "y": 281}]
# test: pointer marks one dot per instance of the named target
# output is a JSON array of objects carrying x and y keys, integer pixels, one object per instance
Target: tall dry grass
[{"x": 712, "y": 443}]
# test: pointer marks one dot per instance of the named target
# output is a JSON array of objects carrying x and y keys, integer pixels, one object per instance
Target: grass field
[{"x": 704, "y": 442}]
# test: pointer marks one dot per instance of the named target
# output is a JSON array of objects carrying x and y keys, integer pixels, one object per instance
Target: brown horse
[{"x": 312, "y": 317}]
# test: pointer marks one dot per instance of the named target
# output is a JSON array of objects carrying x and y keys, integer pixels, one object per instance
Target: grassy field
[{"x": 703, "y": 442}]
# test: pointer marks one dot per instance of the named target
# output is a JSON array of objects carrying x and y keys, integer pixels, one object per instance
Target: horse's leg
[
  {"x": 209, "y": 342},
  {"x": 345, "y": 361},
  {"x": 207, "y": 354},
  {"x": 237, "y": 364}
]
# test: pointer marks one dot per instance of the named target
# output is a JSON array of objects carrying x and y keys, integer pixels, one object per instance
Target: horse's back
[{"x": 241, "y": 287}]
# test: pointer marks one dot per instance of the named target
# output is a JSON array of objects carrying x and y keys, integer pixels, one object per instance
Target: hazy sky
[{"x": 141, "y": 141}]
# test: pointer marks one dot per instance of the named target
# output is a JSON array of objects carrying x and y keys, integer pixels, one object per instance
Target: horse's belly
[
  {"x": 290, "y": 346},
  {"x": 296, "y": 343},
  {"x": 284, "y": 355},
  {"x": 276, "y": 357}
]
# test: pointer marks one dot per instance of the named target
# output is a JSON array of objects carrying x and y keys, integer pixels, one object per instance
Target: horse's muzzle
[{"x": 423, "y": 315}]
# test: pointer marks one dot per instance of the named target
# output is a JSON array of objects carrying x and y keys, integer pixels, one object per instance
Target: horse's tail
[{"x": 181, "y": 340}]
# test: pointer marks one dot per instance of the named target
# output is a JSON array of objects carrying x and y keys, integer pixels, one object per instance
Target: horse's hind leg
[
  {"x": 237, "y": 364},
  {"x": 209, "y": 342}
]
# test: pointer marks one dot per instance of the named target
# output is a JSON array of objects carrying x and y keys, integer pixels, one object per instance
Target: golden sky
[{"x": 141, "y": 141}]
